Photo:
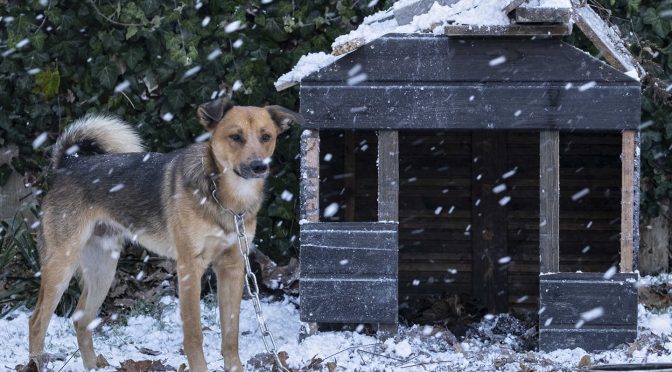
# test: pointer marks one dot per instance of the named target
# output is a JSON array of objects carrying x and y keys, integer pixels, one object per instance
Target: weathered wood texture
[
  {"x": 628, "y": 201},
  {"x": 388, "y": 176},
  {"x": 605, "y": 38},
  {"x": 349, "y": 272},
  {"x": 310, "y": 175},
  {"x": 535, "y": 12},
  {"x": 537, "y": 30},
  {"x": 432, "y": 82},
  {"x": 549, "y": 201},
  {"x": 586, "y": 310},
  {"x": 489, "y": 197}
]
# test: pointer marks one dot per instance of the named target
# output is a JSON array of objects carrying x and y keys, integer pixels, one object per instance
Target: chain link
[
  {"x": 252, "y": 289},
  {"x": 251, "y": 286}
]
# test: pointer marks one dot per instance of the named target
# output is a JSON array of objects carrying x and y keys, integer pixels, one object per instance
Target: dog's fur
[{"x": 105, "y": 190}]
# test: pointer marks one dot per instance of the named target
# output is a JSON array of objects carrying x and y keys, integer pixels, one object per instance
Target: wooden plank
[
  {"x": 358, "y": 235},
  {"x": 605, "y": 38},
  {"x": 586, "y": 310},
  {"x": 513, "y": 5},
  {"x": 539, "y": 12},
  {"x": 471, "y": 106},
  {"x": 440, "y": 59},
  {"x": 352, "y": 262},
  {"x": 349, "y": 168},
  {"x": 488, "y": 232},
  {"x": 545, "y": 30},
  {"x": 346, "y": 300},
  {"x": 310, "y": 176},
  {"x": 549, "y": 201},
  {"x": 627, "y": 201},
  {"x": 636, "y": 182},
  {"x": 388, "y": 175}
]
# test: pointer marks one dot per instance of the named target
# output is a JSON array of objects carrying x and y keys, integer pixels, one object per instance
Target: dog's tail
[{"x": 95, "y": 134}]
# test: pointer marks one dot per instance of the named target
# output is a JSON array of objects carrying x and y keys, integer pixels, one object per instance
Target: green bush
[{"x": 62, "y": 59}]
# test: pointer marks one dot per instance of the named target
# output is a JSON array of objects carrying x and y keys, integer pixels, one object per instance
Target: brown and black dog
[{"x": 105, "y": 190}]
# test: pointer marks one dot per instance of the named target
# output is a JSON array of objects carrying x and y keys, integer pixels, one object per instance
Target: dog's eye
[
  {"x": 265, "y": 137},
  {"x": 236, "y": 138}
]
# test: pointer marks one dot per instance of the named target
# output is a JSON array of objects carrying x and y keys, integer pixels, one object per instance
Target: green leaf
[
  {"x": 47, "y": 83},
  {"x": 107, "y": 75}
]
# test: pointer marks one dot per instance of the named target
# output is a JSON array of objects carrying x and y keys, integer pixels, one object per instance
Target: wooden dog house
[{"x": 515, "y": 183}]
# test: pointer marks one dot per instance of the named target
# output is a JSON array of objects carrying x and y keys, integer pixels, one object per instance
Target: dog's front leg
[
  {"x": 189, "y": 272},
  {"x": 229, "y": 269}
]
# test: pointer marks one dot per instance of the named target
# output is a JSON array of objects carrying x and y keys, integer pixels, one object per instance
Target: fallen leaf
[
  {"x": 147, "y": 351},
  {"x": 101, "y": 362},
  {"x": 331, "y": 366},
  {"x": 585, "y": 361},
  {"x": 315, "y": 363},
  {"x": 182, "y": 368},
  {"x": 143, "y": 366}
]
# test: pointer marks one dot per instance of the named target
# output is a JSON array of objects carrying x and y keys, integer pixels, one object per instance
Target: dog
[{"x": 105, "y": 190}]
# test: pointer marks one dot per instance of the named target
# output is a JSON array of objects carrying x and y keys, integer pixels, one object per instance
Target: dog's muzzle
[{"x": 254, "y": 169}]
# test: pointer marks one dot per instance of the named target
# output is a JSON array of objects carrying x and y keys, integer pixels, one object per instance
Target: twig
[
  {"x": 352, "y": 347},
  {"x": 129, "y": 100},
  {"x": 425, "y": 363},
  {"x": 68, "y": 361},
  {"x": 383, "y": 356},
  {"x": 95, "y": 7}
]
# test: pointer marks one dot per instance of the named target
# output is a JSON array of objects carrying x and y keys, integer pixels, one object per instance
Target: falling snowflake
[{"x": 331, "y": 210}]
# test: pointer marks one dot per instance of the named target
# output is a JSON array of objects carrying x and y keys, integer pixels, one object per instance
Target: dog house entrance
[{"x": 468, "y": 232}]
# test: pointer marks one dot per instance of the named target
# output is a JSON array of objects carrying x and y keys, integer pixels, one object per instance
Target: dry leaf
[
  {"x": 101, "y": 362},
  {"x": 147, "y": 351},
  {"x": 331, "y": 366},
  {"x": 182, "y": 368},
  {"x": 585, "y": 361},
  {"x": 315, "y": 363},
  {"x": 143, "y": 366}
]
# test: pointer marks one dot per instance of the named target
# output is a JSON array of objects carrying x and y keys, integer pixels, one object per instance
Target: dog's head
[{"x": 243, "y": 137}]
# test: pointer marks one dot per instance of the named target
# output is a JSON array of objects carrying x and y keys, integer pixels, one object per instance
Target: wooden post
[
  {"x": 388, "y": 195},
  {"x": 388, "y": 176},
  {"x": 488, "y": 220},
  {"x": 310, "y": 176},
  {"x": 549, "y": 201},
  {"x": 628, "y": 187}
]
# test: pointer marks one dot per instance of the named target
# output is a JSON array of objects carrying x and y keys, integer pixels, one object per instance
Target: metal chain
[
  {"x": 252, "y": 290},
  {"x": 251, "y": 286}
]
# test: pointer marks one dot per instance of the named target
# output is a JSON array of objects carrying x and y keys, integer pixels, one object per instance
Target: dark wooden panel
[
  {"x": 354, "y": 262},
  {"x": 430, "y": 58},
  {"x": 549, "y": 201},
  {"x": 471, "y": 106},
  {"x": 489, "y": 276},
  {"x": 589, "y": 339},
  {"x": 388, "y": 175},
  {"x": 564, "y": 297},
  {"x": 344, "y": 300},
  {"x": 358, "y": 235}
]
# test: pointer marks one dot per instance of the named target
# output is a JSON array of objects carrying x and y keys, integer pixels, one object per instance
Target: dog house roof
[{"x": 469, "y": 76}]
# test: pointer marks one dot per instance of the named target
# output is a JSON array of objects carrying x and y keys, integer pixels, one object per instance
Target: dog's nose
[{"x": 259, "y": 166}]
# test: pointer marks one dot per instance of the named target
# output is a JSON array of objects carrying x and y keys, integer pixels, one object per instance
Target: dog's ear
[
  {"x": 210, "y": 113},
  {"x": 283, "y": 117}
]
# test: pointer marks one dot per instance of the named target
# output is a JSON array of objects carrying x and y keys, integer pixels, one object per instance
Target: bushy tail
[{"x": 98, "y": 134}]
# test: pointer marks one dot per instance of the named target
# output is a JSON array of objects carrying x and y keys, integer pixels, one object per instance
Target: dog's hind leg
[
  {"x": 98, "y": 265},
  {"x": 58, "y": 263}
]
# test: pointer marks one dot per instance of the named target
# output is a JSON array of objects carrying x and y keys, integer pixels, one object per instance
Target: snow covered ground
[{"x": 415, "y": 348}]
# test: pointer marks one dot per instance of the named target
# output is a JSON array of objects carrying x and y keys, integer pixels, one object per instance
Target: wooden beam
[
  {"x": 388, "y": 176},
  {"x": 549, "y": 201},
  {"x": 310, "y": 176},
  {"x": 513, "y": 5},
  {"x": 536, "y": 12},
  {"x": 559, "y": 29},
  {"x": 605, "y": 38},
  {"x": 488, "y": 216},
  {"x": 628, "y": 201}
]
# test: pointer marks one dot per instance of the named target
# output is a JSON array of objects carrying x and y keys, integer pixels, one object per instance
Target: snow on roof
[{"x": 455, "y": 12}]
